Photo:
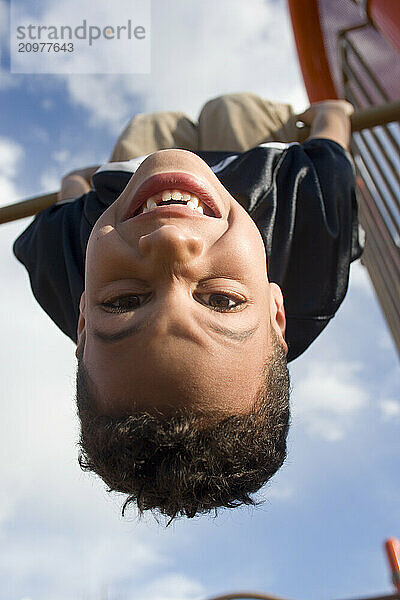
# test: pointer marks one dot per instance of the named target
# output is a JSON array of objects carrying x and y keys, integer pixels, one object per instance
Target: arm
[
  {"x": 76, "y": 183},
  {"x": 329, "y": 119}
]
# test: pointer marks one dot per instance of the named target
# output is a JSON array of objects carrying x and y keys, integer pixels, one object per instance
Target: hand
[
  {"x": 73, "y": 185},
  {"x": 325, "y": 106}
]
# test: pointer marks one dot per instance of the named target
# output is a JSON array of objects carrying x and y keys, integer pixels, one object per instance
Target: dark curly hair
[{"x": 188, "y": 463}]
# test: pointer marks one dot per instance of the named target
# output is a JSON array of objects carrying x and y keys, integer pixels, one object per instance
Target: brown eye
[
  {"x": 122, "y": 304},
  {"x": 223, "y": 302}
]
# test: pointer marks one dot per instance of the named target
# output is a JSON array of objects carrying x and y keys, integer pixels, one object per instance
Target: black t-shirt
[{"x": 301, "y": 197}]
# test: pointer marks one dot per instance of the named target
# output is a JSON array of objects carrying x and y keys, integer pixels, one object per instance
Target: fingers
[{"x": 311, "y": 112}]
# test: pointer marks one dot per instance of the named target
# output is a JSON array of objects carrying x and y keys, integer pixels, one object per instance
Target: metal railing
[
  {"x": 255, "y": 596},
  {"x": 376, "y": 154},
  {"x": 361, "y": 119}
]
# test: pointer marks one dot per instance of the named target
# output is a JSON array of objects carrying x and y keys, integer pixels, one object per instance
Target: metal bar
[
  {"x": 390, "y": 597},
  {"x": 378, "y": 284},
  {"x": 392, "y": 167},
  {"x": 392, "y": 213},
  {"x": 377, "y": 272},
  {"x": 386, "y": 17},
  {"x": 389, "y": 185},
  {"x": 388, "y": 144},
  {"x": 371, "y": 154},
  {"x": 380, "y": 226},
  {"x": 390, "y": 301},
  {"x": 26, "y": 208},
  {"x": 360, "y": 119},
  {"x": 373, "y": 234},
  {"x": 365, "y": 118},
  {"x": 368, "y": 205},
  {"x": 255, "y": 596},
  {"x": 346, "y": 43},
  {"x": 311, "y": 51},
  {"x": 392, "y": 549},
  {"x": 379, "y": 238},
  {"x": 395, "y": 172},
  {"x": 384, "y": 290},
  {"x": 366, "y": 68},
  {"x": 391, "y": 216},
  {"x": 380, "y": 114},
  {"x": 354, "y": 78},
  {"x": 246, "y": 596}
]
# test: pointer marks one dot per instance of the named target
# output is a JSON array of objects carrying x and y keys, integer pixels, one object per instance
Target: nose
[{"x": 170, "y": 244}]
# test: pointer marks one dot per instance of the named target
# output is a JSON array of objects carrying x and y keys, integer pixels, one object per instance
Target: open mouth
[
  {"x": 176, "y": 197},
  {"x": 177, "y": 189}
]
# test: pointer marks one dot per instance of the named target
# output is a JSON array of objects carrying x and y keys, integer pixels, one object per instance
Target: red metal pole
[
  {"x": 392, "y": 547},
  {"x": 311, "y": 50},
  {"x": 385, "y": 15}
]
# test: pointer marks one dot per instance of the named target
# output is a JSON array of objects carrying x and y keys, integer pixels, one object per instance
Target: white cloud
[
  {"x": 231, "y": 49},
  {"x": 8, "y": 191},
  {"x": 90, "y": 51},
  {"x": 390, "y": 409},
  {"x": 109, "y": 99},
  {"x": 10, "y": 156},
  {"x": 328, "y": 398},
  {"x": 57, "y": 554}
]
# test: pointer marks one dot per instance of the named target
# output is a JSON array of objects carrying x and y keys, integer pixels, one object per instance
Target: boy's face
[{"x": 172, "y": 272}]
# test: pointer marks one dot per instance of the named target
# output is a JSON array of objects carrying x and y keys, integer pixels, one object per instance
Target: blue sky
[{"x": 319, "y": 533}]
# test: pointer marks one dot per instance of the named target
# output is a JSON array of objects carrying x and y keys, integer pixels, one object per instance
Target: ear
[
  {"x": 278, "y": 318},
  {"x": 81, "y": 325}
]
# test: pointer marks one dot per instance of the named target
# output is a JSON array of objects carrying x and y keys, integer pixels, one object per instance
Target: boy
[{"x": 189, "y": 314}]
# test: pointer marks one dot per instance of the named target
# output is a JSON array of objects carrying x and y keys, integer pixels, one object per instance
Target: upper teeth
[{"x": 191, "y": 200}]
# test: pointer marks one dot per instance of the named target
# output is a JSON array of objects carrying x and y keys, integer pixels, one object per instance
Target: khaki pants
[{"x": 232, "y": 122}]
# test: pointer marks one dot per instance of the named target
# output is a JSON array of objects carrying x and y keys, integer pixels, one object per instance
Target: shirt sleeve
[
  {"x": 323, "y": 227},
  {"x": 312, "y": 236},
  {"x": 52, "y": 249}
]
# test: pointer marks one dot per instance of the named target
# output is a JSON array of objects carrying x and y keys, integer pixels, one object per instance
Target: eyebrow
[{"x": 233, "y": 334}]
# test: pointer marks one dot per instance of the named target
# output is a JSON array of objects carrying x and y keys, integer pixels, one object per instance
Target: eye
[
  {"x": 122, "y": 304},
  {"x": 216, "y": 301},
  {"x": 221, "y": 302}
]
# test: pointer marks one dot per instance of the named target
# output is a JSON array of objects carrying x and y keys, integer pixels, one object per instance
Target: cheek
[
  {"x": 99, "y": 250},
  {"x": 247, "y": 246},
  {"x": 94, "y": 245},
  {"x": 243, "y": 226}
]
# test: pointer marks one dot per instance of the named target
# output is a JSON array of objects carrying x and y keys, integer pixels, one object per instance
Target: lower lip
[{"x": 170, "y": 211}]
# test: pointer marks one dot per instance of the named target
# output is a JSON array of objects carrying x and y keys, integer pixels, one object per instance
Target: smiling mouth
[
  {"x": 176, "y": 198},
  {"x": 181, "y": 192}
]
